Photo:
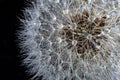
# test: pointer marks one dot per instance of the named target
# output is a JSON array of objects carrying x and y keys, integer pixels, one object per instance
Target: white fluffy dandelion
[{"x": 72, "y": 39}]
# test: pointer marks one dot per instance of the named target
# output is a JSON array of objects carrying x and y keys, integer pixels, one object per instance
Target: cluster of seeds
[
  {"x": 72, "y": 40},
  {"x": 83, "y": 34}
]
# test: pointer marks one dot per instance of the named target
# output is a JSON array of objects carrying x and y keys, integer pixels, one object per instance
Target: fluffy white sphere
[{"x": 72, "y": 39}]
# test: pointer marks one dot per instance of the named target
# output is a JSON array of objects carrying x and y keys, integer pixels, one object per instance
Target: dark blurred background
[{"x": 10, "y": 68}]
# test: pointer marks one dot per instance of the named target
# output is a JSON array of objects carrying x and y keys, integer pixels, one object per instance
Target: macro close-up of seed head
[{"x": 72, "y": 39}]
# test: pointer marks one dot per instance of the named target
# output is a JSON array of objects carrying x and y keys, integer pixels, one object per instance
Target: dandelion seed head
[{"x": 72, "y": 39}]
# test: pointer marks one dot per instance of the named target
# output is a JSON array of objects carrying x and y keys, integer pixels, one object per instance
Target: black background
[{"x": 10, "y": 68}]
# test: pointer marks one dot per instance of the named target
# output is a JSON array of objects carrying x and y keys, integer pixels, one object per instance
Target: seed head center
[
  {"x": 89, "y": 37},
  {"x": 82, "y": 33}
]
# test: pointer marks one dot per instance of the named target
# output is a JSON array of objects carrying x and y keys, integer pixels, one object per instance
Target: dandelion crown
[{"x": 72, "y": 39}]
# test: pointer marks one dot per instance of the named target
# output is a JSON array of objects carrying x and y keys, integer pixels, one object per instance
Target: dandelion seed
[{"x": 65, "y": 11}]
